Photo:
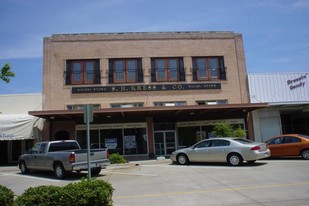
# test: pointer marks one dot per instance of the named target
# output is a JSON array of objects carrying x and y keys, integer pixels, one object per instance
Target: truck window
[
  {"x": 35, "y": 149},
  {"x": 61, "y": 146},
  {"x": 42, "y": 148}
]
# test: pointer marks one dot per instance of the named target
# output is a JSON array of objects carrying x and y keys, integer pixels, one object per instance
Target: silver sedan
[{"x": 231, "y": 150}]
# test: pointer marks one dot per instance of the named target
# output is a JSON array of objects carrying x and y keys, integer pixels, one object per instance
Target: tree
[
  {"x": 223, "y": 129},
  {"x": 6, "y": 73}
]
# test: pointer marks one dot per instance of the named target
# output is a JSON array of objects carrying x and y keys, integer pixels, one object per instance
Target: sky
[{"x": 275, "y": 32}]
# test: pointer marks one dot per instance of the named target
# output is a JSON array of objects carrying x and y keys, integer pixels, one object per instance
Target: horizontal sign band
[{"x": 139, "y": 88}]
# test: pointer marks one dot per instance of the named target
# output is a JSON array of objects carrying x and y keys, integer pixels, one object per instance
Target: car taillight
[
  {"x": 107, "y": 154},
  {"x": 72, "y": 157},
  {"x": 256, "y": 148}
]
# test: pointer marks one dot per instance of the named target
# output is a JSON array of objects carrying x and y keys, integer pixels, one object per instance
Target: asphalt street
[{"x": 283, "y": 182}]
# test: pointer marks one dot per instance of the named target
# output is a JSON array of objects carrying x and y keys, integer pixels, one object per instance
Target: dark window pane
[
  {"x": 132, "y": 70},
  {"x": 119, "y": 70},
  {"x": 173, "y": 69},
  {"x": 213, "y": 65},
  {"x": 77, "y": 71},
  {"x": 89, "y": 71}
]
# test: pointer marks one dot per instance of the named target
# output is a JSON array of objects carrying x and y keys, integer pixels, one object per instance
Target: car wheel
[
  {"x": 59, "y": 171},
  {"x": 235, "y": 159},
  {"x": 182, "y": 159},
  {"x": 23, "y": 167},
  {"x": 96, "y": 171},
  {"x": 305, "y": 154},
  {"x": 251, "y": 162}
]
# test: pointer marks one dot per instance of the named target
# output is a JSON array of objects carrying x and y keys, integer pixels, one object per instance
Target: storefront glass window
[
  {"x": 135, "y": 141},
  {"x": 125, "y": 141}
]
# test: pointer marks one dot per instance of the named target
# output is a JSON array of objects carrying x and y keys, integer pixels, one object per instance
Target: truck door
[
  {"x": 32, "y": 163},
  {"x": 40, "y": 157}
]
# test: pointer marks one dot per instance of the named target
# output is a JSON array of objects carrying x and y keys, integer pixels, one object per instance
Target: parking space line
[
  {"x": 132, "y": 174},
  {"x": 210, "y": 190},
  {"x": 30, "y": 177}
]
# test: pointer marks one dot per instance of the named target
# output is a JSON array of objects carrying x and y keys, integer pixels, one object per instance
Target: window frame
[
  {"x": 125, "y": 70},
  {"x": 83, "y": 74},
  {"x": 171, "y": 74},
  {"x": 197, "y": 71}
]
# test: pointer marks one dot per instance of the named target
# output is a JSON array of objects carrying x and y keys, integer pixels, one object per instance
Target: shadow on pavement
[
  {"x": 212, "y": 164},
  {"x": 74, "y": 176}
]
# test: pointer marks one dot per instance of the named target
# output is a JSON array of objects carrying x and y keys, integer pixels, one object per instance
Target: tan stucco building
[{"x": 151, "y": 92}]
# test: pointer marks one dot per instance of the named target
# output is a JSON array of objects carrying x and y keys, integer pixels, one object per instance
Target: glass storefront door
[{"x": 165, "y": 142}]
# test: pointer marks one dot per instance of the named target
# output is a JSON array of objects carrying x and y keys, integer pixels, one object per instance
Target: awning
[
  {"x": 177, "y": 113},
  {"x": 16, "y": 126}
]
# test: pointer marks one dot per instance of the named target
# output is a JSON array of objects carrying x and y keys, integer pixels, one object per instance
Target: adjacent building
[
  {"x": 288, "y": 98},
  {"x": 151, "y": 93},
  {"x": 18, "y": 130}
]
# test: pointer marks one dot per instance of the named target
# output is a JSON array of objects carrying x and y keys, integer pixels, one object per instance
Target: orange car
[{"x": 289, "y": 145}]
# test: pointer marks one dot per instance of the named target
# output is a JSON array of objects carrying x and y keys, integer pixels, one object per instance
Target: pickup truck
[{"x": 62, "y": 157}]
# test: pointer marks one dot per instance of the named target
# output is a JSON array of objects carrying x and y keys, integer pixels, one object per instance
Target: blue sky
[{"x": 275, "y": 32}]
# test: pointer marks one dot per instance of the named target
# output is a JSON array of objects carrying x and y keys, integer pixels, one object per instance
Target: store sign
[
  {"x": 142, "y": 88},
  {"x": 111, "y": 143},
  {"x": 297, "y": 82}
]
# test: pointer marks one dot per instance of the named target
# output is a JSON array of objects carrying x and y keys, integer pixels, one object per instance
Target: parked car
[
  {"x": 62, "y": 157},
  {"x": 231, "y": 150},
  {"x": 289, "y": 145}
]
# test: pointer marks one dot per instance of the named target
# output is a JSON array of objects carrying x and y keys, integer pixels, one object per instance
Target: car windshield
[
  {"x": 304, "y": 136},
  {"x": 243, "y": 141}
]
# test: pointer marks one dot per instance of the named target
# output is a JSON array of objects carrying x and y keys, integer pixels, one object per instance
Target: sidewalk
[
  {"x": 8, "y": 168},
  {"x": 138, "y": 163}
]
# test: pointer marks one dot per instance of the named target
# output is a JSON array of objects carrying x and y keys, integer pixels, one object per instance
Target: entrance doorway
[{"x": 165, "y": 142}]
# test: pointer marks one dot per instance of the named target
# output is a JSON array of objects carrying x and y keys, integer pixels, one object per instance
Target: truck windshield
[{"x": 61, "y": 146}]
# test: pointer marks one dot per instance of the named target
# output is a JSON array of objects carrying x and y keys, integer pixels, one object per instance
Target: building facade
[
  {"x": 151, "y": 93},
  {"x": 288, "y": 97}
]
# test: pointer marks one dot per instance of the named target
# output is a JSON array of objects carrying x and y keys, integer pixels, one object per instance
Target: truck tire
[
  {"x": 23, "y": 168},
  {"x": 59, "y": 171},
  {"x": 96, "y": 171}
]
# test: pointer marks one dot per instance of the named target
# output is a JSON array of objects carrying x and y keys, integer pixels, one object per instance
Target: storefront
[
  {"x": 152, "y": 131},
  {"x": 17, "y": 134}
]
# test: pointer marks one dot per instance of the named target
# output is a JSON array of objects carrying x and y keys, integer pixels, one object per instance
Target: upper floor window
[
  {"x": 181, "y": 103},
  {"x": 208, "y": 68},
  {"x": 126, "y": 105},
  {"x": 81, "y": 106},
  {"x": 211, "y": 102},
  {"x": 167, "y": 69},
  {"x": 125, "y": 70},
  {"x": 83, "y": 72}
]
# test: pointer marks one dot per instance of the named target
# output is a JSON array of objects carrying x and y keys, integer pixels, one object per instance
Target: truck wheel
[
  {"x": 59, "y": 171},
  {"x": 96, "y": 171},
  {"x": 23, "y": 168}
]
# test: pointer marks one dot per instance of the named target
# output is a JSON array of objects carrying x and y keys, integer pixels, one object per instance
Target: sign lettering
[{"x": 139, "y": 88}]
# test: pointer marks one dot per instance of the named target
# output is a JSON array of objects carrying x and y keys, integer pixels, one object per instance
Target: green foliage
[
  {"x": 6, "y": 73},
  {"x": 239, "y": 132},
  {"x": 117, "y": 159},
  {"x": 223, "y": 130},
  {"x": 226, "y": 130},
  {"x": 41, "y": 195},
  {"x": 6, "y": 196},
  {"x": 87, "y": 192}
]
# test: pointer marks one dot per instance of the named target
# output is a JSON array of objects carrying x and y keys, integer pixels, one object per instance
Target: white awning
[{"x": 17, "y": 126}]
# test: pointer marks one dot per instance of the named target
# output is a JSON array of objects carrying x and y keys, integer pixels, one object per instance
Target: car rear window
[
  {"x": 243, "y": 141},
  {"x": 61, "y": 146},
  {"x": 304, "y": 136}
]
